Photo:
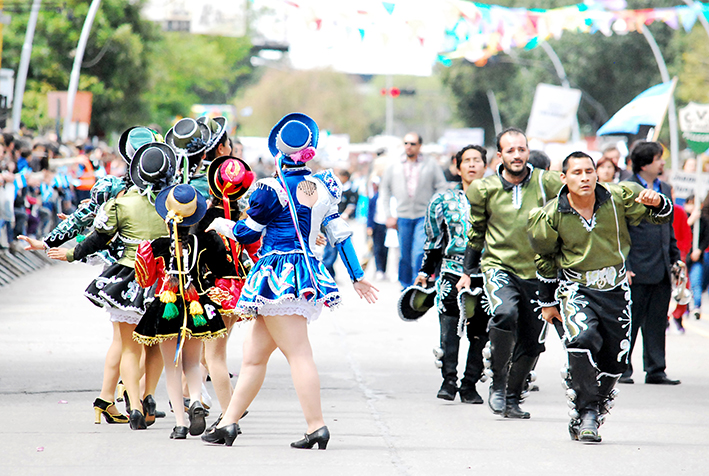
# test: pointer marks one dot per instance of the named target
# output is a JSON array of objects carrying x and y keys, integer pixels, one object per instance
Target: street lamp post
[
  {"x": 76, "y": 69},
  {"x": 24, "y": 66}
]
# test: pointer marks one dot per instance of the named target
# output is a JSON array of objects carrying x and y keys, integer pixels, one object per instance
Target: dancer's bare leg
[
  {"x": 190, "y": 366},
  {"x": 258, "y": 347},
  {"x": 130, "y": 363},
  {"x": 153, "y": 369},
  {"x": 173, "y": 380},
  {"x": 215, "y": 354},
  {"x": 290, "y": 333},
  {"x": 112, "y": 369}
]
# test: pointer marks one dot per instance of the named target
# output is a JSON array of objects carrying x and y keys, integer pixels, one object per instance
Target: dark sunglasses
[{"x": 411, "y": 143}]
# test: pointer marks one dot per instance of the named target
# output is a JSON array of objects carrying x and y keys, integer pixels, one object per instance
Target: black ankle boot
[
  {"x": 588, "y": 429},
  {"x": 501, "y": 345},
  {"x": 448, "y": 390},
  {"x": 450, "y": 343},
  {"x": 584, "y": 393},
  {"x": 519, "y": 370},
  {"x": 470, "y": 395},
  {"x": 320, "y": 436}
]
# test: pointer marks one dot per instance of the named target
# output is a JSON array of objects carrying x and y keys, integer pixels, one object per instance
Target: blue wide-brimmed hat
[
  {"x": 184, "y": 200},
  {"x": 292, "y": 134}
]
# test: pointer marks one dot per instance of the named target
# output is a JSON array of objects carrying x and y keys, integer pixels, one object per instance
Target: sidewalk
[{"x": 378, "y": 391}]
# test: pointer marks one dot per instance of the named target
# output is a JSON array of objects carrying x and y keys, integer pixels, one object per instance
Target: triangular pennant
[{"x": 389, "y": 7}]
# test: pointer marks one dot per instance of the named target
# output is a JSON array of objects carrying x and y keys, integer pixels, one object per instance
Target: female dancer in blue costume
[{"x": 288, "y": 286}]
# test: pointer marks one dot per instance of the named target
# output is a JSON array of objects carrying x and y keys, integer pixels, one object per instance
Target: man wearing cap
[
  {"x": 584, "y": 233},
  {"x": 447, "y": 229},
  {"x": 499, "y": 205},
  {"x": 412, "y": 180}
]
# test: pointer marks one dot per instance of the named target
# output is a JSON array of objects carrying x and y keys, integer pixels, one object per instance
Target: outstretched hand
[
  {"x": 223, "y": 227},
  {"x": 57, "y": 253},
  {"x": 649, "y": 198},
  {"x": 366, "y": 290},
  {"x": 32, "y": 243}
]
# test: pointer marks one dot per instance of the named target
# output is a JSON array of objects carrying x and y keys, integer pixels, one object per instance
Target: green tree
[
  {"x": 115, "y": 66},
  {"x": 331, "y": 98},
  {"x": 189, "y": 69}
]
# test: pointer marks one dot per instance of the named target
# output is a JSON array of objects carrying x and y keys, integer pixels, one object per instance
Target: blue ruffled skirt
[{"x": 280, "y": 283}]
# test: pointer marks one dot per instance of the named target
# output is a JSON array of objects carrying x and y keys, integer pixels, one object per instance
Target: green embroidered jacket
[
  {"x": 591, "y": 253},
  {"x": 498, "y": 219}
]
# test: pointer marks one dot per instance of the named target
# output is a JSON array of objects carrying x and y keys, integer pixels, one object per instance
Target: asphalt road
[{"x": 379, "y": 387}]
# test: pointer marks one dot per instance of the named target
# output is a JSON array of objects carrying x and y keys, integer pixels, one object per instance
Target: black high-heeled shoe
[
  {"x": 179, "y": 433},
  {"x": 137, "y": 420},
  {"x": 149, "y": 406},
  {"x": 216, "y": 423},
  {"x": 221, "y": 436},
  {"x": 320, "y": 436},
  {"x": 101, "y": 406},
  {"x": 197, "y": 415}
]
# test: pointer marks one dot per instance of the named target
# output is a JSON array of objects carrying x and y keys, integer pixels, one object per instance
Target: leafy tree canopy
[{"x": 137, "y": 73}]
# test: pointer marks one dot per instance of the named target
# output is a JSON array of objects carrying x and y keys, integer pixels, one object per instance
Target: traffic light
[{"x": 396, "y": 92}]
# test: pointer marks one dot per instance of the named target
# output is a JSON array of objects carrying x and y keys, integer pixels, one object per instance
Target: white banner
[
  {"x": 694, "y": 118},
  {"x": 203, "y": 17},
  {"x": 553, "y": 113},
  {"x": 685, "y": 184}
]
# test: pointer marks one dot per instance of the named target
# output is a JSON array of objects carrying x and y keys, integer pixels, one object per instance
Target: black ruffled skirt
[
  {"x": 116, "y": 288},
  {"x": 154, "y": 327}
]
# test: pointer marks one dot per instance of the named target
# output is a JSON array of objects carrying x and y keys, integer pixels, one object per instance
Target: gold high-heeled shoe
[
  {"x": 120, "y": 389},
  {"x": 101, "y": 407}
]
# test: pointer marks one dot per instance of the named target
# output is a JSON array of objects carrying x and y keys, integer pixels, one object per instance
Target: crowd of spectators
[{"x": 41, "y": 179}]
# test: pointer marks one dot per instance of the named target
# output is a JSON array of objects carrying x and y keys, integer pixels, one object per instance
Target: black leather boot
[
  {"x": 519, "y": 370},
  {"x": 583, "y": 392},
  {"x": 588, "y": 428},
  {"x": 501, "y": 345},
  {"x": 606, "y": 395},
  {"x": 450, "y": 343},
  {"x": 473, "y": 372}
]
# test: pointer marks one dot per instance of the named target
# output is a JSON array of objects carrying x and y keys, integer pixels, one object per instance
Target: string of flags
[{"x": 476, "y": 31}]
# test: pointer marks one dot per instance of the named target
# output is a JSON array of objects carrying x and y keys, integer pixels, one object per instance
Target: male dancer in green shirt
[
  {"x": 499, "y": 207},
  {"x": 584, "y": 234}
]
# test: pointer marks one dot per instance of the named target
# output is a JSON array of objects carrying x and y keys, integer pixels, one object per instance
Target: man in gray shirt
[{"x": 412, "y": 180}]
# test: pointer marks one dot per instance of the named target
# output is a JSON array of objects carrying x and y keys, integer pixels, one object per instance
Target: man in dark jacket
[{"x": 653, "y": 255}]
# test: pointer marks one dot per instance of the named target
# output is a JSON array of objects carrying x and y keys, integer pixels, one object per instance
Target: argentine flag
[{"x": 648, "y": 109}]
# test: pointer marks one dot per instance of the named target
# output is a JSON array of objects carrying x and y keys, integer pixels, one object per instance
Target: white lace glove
[{"x": 223, "y": 227}]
